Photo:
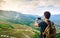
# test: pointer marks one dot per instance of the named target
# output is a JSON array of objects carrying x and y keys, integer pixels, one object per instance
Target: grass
[{"x": 19, "y": 31}]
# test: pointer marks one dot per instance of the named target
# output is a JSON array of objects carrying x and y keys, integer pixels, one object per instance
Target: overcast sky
[{"x": 35, "y": 7}]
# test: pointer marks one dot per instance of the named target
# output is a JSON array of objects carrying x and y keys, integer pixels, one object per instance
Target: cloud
[
  {"x": 31, "y": 6},
  {"x": 1, "y": 2}
]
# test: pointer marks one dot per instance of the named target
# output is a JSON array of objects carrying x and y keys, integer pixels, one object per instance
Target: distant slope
[
  {"x": 56, "y": 18},
  {"x": 25, "y": 19},
  {"x": 16, "y": 17},
  {"x": 19, "y": 18}
]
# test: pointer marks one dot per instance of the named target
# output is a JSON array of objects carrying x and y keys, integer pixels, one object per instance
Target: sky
[{"x": 34, "y": 7}]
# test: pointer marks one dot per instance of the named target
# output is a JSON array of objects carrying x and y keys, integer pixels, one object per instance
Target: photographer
[{"x": 44, "y": 24}]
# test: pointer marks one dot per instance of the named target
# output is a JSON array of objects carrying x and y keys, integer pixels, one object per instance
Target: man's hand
[{"x": 36, "y": 23}]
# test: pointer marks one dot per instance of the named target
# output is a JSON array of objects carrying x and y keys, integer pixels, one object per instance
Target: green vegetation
[
  {"x": 17, "y": 31},
  {"x": 58, "y": 35}
]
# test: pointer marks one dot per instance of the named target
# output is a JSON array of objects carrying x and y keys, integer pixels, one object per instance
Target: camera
[{"x": 39, "y": 18}]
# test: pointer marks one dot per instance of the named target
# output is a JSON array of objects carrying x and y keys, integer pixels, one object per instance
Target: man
[{"x": 43, "y": 24}]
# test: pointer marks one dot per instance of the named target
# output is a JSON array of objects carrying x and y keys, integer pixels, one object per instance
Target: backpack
[{"x": 50, "y": 31}]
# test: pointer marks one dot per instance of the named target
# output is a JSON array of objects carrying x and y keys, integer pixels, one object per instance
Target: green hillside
[
  {"x": 17, "y": 31},
  {"x": 58, "y": 35},
  {"x": 16, "y": 18}
]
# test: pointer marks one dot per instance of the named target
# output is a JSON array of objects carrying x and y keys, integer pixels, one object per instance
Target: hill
[
  {"x": 16, "y": 17},
  {"x": 16, "y": 25},
  {"x": 55, "y": 18},
  {"x": 17, "y": 31}
]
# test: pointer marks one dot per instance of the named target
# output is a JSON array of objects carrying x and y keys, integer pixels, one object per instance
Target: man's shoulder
[
  {"x": 52, "y": 23},
  {"x": 43, "y": 22}
]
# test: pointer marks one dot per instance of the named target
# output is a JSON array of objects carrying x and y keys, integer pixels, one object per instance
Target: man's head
[{"x": 47, "y": 14}]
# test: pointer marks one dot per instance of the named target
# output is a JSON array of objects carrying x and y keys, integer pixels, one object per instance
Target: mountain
[
  {"x": 15, "y": 25},
  {"x": 16, "y": 17},
  {"x": 24, "y": 19},
  {"x": 56, "y": 18},
  {"x": 19, "y": 18}
]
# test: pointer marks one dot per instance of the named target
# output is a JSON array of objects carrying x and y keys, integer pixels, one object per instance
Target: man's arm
[{"x": 36, "y": 23}]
